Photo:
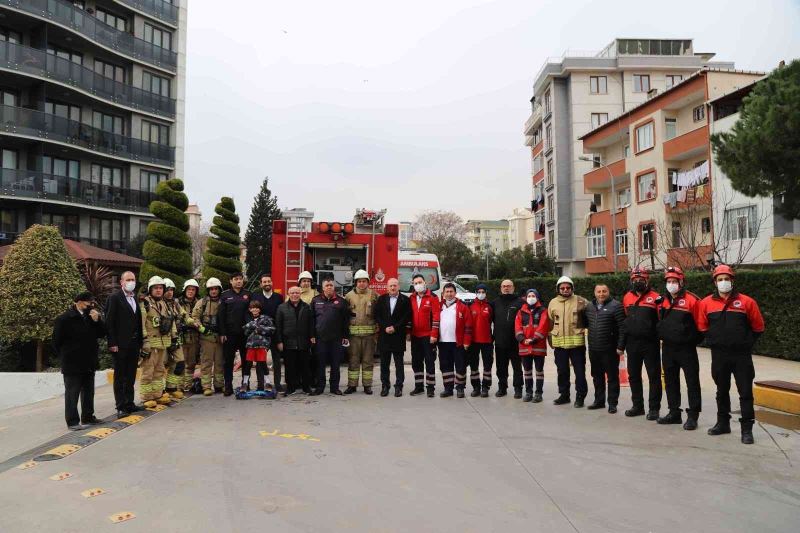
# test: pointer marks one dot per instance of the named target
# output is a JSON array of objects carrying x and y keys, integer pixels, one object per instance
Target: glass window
[
  {"x": 155, "y": 133},
  {"x": 641, "y": 83},
  {"x": 114, "y": 21},
  {"x": 109, "y": 70},
  {"x": 624, "y": 197},
  {"x": 547, "y": 103},
  {"x": 705, "y": 225},
  {"x": 599, "y": 119},
  {"x": 644, "y": 137},
  {"x": 109, "y": 123},
  {"x": 8, "y": 221},
  {"x": 57, "y": 166},
  {"x": 155, "y": 84},
  {"x": 551, "y": 208},
  {"x": 596, "y": 242},
  {"x": 670, "y": 128},
  {"x": 70, "y": 112},
  {"x": 405, "y": 273},
  {"x": 676, "y": 235},
  {"x": 621, "y": 242},
  {"x": 10, "y": 158},
  {"x": 149, "y": 180},
  {"x": 63, "y": 53},
  {"x": 548, "y": 137},
  {"x": 106, "y": 175},
  {"x": 626, "y": 151},
  {"x": 648, "y": 237},
  {"x": 9, "y": 98},
  {"x": 551, "y": 243},
  {"x": 10, "y": 36},
  {"x": 550, "y": 176},
  {"x": 699, "y": 113},
  {"x": 157, "y": 36},
  {"x": 598, "y": 84},
  {"x": 673, "y": 79},
  {"x": 741, "y": 223},
  {"x": 646, "y": 186}
]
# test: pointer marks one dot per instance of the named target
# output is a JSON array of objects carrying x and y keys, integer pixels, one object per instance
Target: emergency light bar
[{"x": 336, "y": 227}]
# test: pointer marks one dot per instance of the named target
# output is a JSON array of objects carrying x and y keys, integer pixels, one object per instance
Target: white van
[{"x": 412, "y": 263}]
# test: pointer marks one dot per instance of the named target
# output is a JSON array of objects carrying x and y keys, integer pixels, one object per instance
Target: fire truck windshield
[{"x": 405, "y": 273}]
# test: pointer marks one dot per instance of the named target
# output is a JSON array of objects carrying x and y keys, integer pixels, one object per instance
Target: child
[{"x": 259, "y": 335}]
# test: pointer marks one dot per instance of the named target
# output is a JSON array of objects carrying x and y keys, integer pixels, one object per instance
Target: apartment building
[
  {"x": 520, "y": 228},
  {"x": 574, "y": 94},
  {"x": 483, "y": 235},
  {"x": 92, "y": 114},
  {"x": 653, "y": 185}
]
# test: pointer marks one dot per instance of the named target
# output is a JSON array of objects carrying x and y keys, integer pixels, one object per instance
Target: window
[
  {"x": 104, "y": 175},
  {"x": 626, "y": 151},
  {"x": 699, "y": 113},
  {"x": 67, "y": 225},
  {"x": 109, "y": 123},
  {"x": 551, "y": 209},
  {"x": 673, "y": 80},
  {"x": 70, "y": 112},
  {"x": 624, "y": 197},
  {"x": 10, "y": 36},
  {"x": 8, "y": 221},
  {"x": 114, "y": 72},
  {"x": 641, "y": 83},
  {"x": 537, "y": 136},
  {"x": 648, "y": 236},
  {"x": 56, "y": 166},
  {"x": 671, "y": 173},
  {"x": 114, "y": 21},
  {"x": 157, "y": 36},
  {"x": 596, "y": 242},
  {"x": 676, "y": 235},
  {"x": 705, "y": 225},
  {"x": 547, "y": 103},
  {"x": 670, "y": 128},
  {"x": 551, "y": 243},
  {"x": 157, "y": 84},
  {"x": 598, "y": 85},
  {"x": 621, "y": 242},
  {"x": 537, "y": 164},
  {"x": 646, "y": 187},
  {"x": 63, "y": 53},
  {"x": 598, "y": 200},
  {"x": 599, "y": 119},
  {"x": 155, "y": 133},
  {"x": 105, "y": 229},
  {"x": 644, "y": 137},
  {"x": 549, "y": 174},
  {"x": 548, "y": 138},
  {"x": 741, "y": 223},
  {"x": 149, "y": 180},
  {"x": 8, "y": 98}
]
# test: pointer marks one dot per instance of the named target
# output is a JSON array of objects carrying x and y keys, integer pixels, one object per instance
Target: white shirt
[
  {"x": 131, "y": 301},
  {"x": 392, "y": 303},
  {"x": 447, "y": 323}
]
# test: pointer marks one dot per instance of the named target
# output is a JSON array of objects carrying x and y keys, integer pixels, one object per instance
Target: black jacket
[
  {"x": 606, "y": 325},
  {"x": 400, "y": 319},
  {"x": 294, "y": 327},
  {"x": 75, "y": 340},
  {"x": 233, "y": 313},
  {"x": 331, "y": 318},
  {"x": 505, "y": 309},
  {"x": 269, "y": 306},
  {"x": 124, "y": 325}
]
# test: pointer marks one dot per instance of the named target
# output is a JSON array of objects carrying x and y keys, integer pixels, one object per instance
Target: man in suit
[
  {"x": 124, "y": 330},
  {"x": 393, "y": 314}
]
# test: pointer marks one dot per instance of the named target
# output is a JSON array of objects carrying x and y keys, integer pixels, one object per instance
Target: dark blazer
[
  {"x": 294, "y": 328},
  {"x": 400, "y": 319},
  {"x": 75, "y": 340},
  {"x": 124, "y": 325},
  {"x": 606, "y": 325}
]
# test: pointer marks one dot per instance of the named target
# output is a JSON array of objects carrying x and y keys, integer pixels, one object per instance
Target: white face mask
[
  {"x": 724, "y": 286},
  {"x": 450, "y": 301},
  {"x": 130, "y": 286},
  {"x": 673, "y": 288},
  {"x": 419, "y": 287},
  {"x": 531, "y": 300},
  {"x": 481, "y": 296}
]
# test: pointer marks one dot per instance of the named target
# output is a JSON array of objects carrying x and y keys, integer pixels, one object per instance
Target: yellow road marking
[
  {"x": 29, "y": 464},
  {"x": 91, "y": 493},
  {"x": 63, "y": 450},
  {"x": 60, "y": 476},
  {"x": 121, "y": 517},
  {"x": 298, "y": 436},
  {"x": 101, "y": 433},
  {"x": 157, "y": 408},
  {"x": 131, "y": 419}
]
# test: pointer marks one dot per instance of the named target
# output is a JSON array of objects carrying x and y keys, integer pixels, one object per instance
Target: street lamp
[{"x": 613, "y": 209}]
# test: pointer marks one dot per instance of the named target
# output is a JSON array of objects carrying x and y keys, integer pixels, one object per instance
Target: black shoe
[
  {"x": 691, "y": 424},
  {"x": 228, "y": 391},
  {"x": 122, "y": 414},
  {"x": 445, "y": 393},
  {"x": 133, "y": 408},
  {"x": 528, "y": 397},
  {"x": 537, "y": 398},
  {"x": 578, "y": 403},
  {"x": 635, "y": 411},
  {"x": 747, "y": 431},
  {"x": 612, "y": 409},
  {"x": 349, "y": 390},
  {"x": 460, "y": 393},
  {"x": 431, "y": 392},
  {"x": 75, "y": 427},
  {"x": 673, "y": 417},
  {"x": 218, "y": 390},
  {"x": 280, "y": 388},
  {"x": 485, "y": 392},
  {"x": 384, "y": 391},
  {"x": 475, "y": 393},
  {"x": 500, "y": 393},
  {"x": 517, "y": 393},
  {"x": 336, "y": 392},
  {"x": 398, "y": 391},
  {"x": 317, "y": 392},
  {"x": 596, "y": 405},
  {"x": 418, "y": 389},
  {"x": 91, "y": 421},
  {"x": 721, "y": 427},
  {"x": 652, "y": 414},
  {"x": 307, "y": 390},
  {"x": 368, "y": 391},
  {"x": 561, "y": 400}
]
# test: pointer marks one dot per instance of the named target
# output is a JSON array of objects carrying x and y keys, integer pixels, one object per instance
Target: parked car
[
  {"x": 463, "y": 294},
  {"x": 467, "y": 277}
]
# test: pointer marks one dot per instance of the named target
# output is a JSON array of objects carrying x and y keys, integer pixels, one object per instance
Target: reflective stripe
[
  {"x": 363, "y": 330},
  {"x": 568, "y": 341}
]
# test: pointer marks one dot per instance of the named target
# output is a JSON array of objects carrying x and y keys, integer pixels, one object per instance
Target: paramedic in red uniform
[
  {"x": 481, "y": 347},
  {"x": 425, "y": 309}
]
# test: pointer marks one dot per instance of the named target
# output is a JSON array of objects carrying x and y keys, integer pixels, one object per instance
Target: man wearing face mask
[
  {"x": 455, "y": 337},
  {"x": 425, "y": 313},
  {"x": 732, "y": 323},
  {"x": 504, "y": 313},
  {"x": 567, "y": 337},
  {"x": 677, "y": 330},
  {"x": 124, "y": 327},
  {"x": 641, "y": 305},
  {"x": 481, "y": 347}
]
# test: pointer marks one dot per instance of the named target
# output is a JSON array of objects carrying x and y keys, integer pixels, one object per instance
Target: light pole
[{"x": 613, "y": 210}]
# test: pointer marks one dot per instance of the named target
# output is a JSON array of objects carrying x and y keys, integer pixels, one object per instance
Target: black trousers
[
  {"x": 399, "y": 372},
  {"x": 329, "y": 353},
  {"x": 725, "y": 363},
  {"x": 232, "y": 344},
  {"x": 423, "y": 357},
  {"x": 453, "y": 365},
  {"x": 528, "y": 363},
  {"x": 298, "y": 370},
  {"x": 125, "y": 365},
  {"x": 507, "y": 355},
  {"x": 576, "y": 356},
  {"x": 476, "y": 352},
  {"x": 276, "y": 365},
  {"x": 674, "y": 358},
  {"x": 644, "y": 351},
  {"x": 261, "y": 370},
  {"x": 78, "y": 386},
  {"x": 605, "y": 365}
]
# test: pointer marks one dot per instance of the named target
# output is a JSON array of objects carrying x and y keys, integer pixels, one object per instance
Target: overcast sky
[{"x": 414, "y": 105}]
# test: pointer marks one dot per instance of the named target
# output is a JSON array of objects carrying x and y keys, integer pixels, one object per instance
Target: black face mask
[{"x": 639, "y": 286}]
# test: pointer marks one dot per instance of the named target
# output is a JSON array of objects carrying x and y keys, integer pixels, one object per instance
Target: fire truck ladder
[{"x": 295, "y": 255}]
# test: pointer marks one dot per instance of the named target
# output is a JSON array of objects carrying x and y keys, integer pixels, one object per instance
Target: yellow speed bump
[
  {"x": 101, "y": 433},
  {"x": 131, "y": 419},
  {"x": 61, "y": 476},
  {"x": 121, "y": 517},
  {"x": 27, "y": 465},
  {"x": 780, "y": 395},
  {"x": 91, "y": 493},
  {"x": 157, "y": 408},
  {"x": 63, "y": 450}
]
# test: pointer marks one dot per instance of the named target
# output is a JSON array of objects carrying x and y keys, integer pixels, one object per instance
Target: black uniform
[
  {"x": 232, "y": 315},
  {"x": 641, "y": 344},
  {"x": 506, "y": 347},
  {"x": 606, "y": 325},
  {"x": 332, "y": 325}
]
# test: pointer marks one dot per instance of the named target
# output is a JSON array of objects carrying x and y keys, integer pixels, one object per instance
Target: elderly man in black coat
[
  {"x": 393, "y": 314},
  {"x": 605, "y": 318},
  {"x": 75, "y": 335}
]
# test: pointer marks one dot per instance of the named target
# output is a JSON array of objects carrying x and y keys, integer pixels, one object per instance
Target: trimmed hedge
[
  {"x": 168, "y": 248},
  {"x": 168, "y": 235},
  {"x": 225, "y": 225},
  {"x": 222, "y": 234},
  {"x": 776, "y": 292},
  {"x": 221, "y": 258},
  {"x": 170, "y": 215}
]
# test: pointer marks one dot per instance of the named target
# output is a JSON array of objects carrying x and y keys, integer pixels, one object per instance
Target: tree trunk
[{"x": 39, "y": 356}]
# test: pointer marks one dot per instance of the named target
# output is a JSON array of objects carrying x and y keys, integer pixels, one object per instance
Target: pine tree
[
  {"x": 222, "y": 253},
  {"x": 258, "y": 237},
  {"x": 168, "y": 248}
]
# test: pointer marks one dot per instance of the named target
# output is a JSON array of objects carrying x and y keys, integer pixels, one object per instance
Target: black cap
[{"x": 84, "y": 296}]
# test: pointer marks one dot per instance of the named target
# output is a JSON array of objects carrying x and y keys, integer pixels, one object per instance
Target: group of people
[{"x": 168, "y": 335}]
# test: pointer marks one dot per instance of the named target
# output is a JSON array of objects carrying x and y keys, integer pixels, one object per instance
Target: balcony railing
[
  {"x": 599, "y": 178},
  {"x": 40, "y": 185},
  {"x": 688, "y": 145},
  {"x": 535, "y": 117},
  {"x": 39, "y": 63},
  {"x": 158, "y": 8},
  {"x": 21, "y": 121},
  {"x": 78, "y": 20}
]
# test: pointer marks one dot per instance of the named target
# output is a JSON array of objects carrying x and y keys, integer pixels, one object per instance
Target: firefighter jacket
[
  {"x": 183, "y": 320},
  {"x": 677, "y": 323},
  {"x": 463, "y": 322},
  {"x": 504, "y": 313},
  {"x": 308, "y": 294},
  {"x": 159, "y": 325},
  {"x": 641, "y": 315},
  {"x": 567, "y": 321},
  {"x": 205, "y": 312},
  {"x": 532, "y": 323},
  {"x": 362, "y": 312},
  {"x": 425, "y": 311},
  {"x": 189, "y": 332},
  {"x": 331, "y": 318},
  {"x": 734, "y": 322},
  {"x": 259, "y": 332},
  {"x": 482, "y": 316}
]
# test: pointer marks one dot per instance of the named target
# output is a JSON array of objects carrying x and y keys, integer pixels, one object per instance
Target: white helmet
[
  {"x": 213, "y": 282},
  {"x": 564, "y": 279},
  {"x": 361, "y": 274},
  {"x": 190, "y": 283},
  {"x": 155, "y": 280},
  {"x": 168, "y": 284},
  {"x": 305, "y": 275}
]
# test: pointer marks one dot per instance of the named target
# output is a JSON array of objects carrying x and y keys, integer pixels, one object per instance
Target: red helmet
[
  {"x": 639, "y": 272},
  {"x": 674, "y": 273},
  {"x": 722, "y": 269}
]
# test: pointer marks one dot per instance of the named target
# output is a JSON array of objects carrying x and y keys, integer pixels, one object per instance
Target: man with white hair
[{"x": 393, "y": 314}]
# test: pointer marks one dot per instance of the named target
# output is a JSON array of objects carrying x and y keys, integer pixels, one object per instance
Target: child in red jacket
[{"x": 531, "y": 328}]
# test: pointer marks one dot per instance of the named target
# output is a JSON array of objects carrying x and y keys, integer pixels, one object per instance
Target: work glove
[{"x": 202, "y": 329}]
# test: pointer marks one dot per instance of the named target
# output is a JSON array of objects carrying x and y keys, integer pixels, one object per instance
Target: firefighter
[
  {"x": 233, "y": 315},
  {"x": 677, "y": 330},
  {"x": 331, "y": 322},
  {"x": 160, "y": 334},
  {"x": 641, "y": 305},
  {"x": 425, "y": 311},
  {"x": 531, "y": 327},
  {"x": 176, "y": 358},
  {"x": 211, "y": 358},
  {"x": 363, "y": 328},
  {"x": 567, "y": 337},
  {"x": 455, "y": 337},
  {"x": 307, "y": 292},
  {"x": 481, "y": 347},
  {"x": 191, "y": 337},
  {"x": 732, "y": 323},
  {"x": 506, "y": 347}
]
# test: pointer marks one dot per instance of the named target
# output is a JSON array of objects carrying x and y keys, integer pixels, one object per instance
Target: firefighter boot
[
  {"x": 578, "y": 402},
  {"x": 501, "y": 391},
  {"x": 149, "y": 404},
  {"x": 672, "y": 417},
  {"x": 177, "y": 394},
  {"x": 722, "y": 426},
  {"x": 208, "y": 392},
  {"x": 398, "y": 391},
  {"x": 350, "y": 389},
  {"x": 418, "y": 389},
  {"x": 368, "y": 390},
  {"x": 164, "y": 400},
  {"x": 691, "y": 421},
  {"x": 460, "y": 392},
  {"x": 484, "y": 391},
  {"x": 747, "y": 431},
  {"x": 537, "y": 398},
  {"x": 431, "y": 391},
  {"x": 476, "y": 391},
  {"x": 528, "y": 396}
]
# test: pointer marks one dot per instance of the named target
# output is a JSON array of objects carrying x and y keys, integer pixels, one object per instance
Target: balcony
[
  {"x": 690, "y": 257},
  {"x": 605, "y": 264},
  {"x": 79, "y": 21},
  {"x": 42, "y": 186},
  {"x": 688, "y": 145},
  {"x": 533, "y": 121},
  {"x": 537, "y": 149},
  {"x": 160, "y": 9},
  {"x": 696, "y": 198},
  {"x": 599, "y": 178},
  {"x": 38, "y": 63},
  {"x": 19, "y": 121}
]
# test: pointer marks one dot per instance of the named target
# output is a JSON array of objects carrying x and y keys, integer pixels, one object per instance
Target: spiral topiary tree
[
  {"x": 222, "y": 253},
  {"x": 168, "y": 249}
]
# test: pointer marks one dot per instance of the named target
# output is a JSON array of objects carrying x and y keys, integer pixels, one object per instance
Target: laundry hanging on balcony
[{"x": 690, "y": 178}]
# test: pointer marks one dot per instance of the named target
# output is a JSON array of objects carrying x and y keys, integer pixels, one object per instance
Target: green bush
[
  {"x": 222, "y": 248},
  {"x": 168, "y": 235},
  {"x": 170, "y": 215},
  {"x": 221, "y": 223},
  {"x": 221, "y": 258},
  {"x": 168, "y": 249}
]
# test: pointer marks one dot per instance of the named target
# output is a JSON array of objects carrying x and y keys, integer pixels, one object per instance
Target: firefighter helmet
[
  {"x": 564, "y": 279},
  {"x": 305, "y": 275},
  {"x": 361, "y": 274},
  {"x": 674, "y": 273},
  {"x": 213, "y": 282},
  {"x": 168, "y": 284},
  {"x": 190, "y": 283},
  {"x": 722, "y": 269},
  {"x": 639, "y": 272},
  {"x": 155, "y": 280}
]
